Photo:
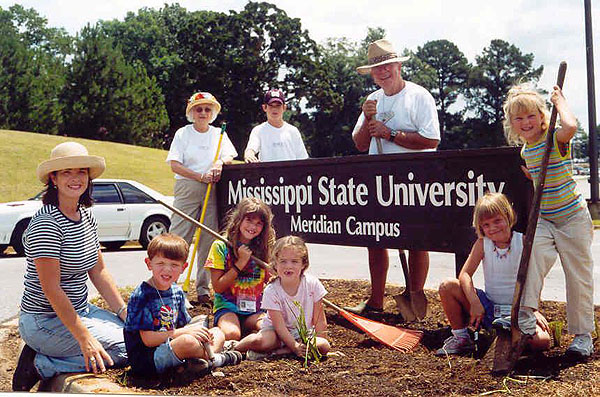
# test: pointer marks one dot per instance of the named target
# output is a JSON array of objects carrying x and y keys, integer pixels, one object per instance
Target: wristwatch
[{"x": 393, "y": 134}]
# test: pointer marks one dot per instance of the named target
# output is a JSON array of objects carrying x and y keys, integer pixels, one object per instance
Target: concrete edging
[{"x": 72, "y": 382}]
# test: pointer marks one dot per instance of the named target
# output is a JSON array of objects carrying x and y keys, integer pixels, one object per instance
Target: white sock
[
  {"x": 219, "y": 360},
  {"x": 460, "y": 333}
]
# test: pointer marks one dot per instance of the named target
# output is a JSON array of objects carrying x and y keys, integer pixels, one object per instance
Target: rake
[{"x": 399, "y": 339}]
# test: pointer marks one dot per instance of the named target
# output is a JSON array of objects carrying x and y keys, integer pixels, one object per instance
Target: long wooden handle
[
  {"x": 216, "y": 235},
  {"x": 534, "y": 213},
  {"x": 186, "y": 283}
]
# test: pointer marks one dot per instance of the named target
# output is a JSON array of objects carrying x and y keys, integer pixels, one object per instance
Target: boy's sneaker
[
  {"x": 197, "y": 366},
  {"x": 26, "y": 375},
  {"x": 252, "y": 355},
  {"x": 581, "y": 347},
  {"x": 456, "y": 345},
  {"x": 230, "y": 345}
]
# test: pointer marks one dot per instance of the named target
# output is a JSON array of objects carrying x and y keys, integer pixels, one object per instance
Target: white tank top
[{"x": 500, "y": 266}]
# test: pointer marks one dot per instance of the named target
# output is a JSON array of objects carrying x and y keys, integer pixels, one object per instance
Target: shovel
[
  {"x": 509, "y": 346},
  {"x": 397, "y": 338}
]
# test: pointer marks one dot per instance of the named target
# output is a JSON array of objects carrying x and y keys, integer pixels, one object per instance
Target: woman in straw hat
[
  {"x": 62, "y": 331},
  {"x": 191, "y": 158}
]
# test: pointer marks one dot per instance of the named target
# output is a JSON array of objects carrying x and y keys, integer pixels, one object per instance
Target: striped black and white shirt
[{"x": 75, "y": 244}]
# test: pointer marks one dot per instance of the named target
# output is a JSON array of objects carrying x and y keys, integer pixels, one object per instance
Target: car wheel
[
  {"x": 152, "y": 227},
  {"x": 113, "y": 245},
  {"x": 16, "y": 240}
]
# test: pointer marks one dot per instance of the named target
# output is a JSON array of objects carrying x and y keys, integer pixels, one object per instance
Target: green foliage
[
  {"x": 579, "y": 144},
  {"x": 450, "y": 70},
  {"x": 33, "y": 64},
  {"x": 128, "y": 81},
  {"x": 110, "y": 99},
  {"x": 500, "y": 66},
  {"x": 308, "y": 337}
]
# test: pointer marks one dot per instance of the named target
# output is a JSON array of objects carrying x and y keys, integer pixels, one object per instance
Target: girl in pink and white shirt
[{"x": 279, "y": 334}]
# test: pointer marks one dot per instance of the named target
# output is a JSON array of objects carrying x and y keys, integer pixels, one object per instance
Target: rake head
[{"x": 400, "y": 339}]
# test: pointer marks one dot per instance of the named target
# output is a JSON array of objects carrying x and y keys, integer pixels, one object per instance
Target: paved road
[{"x": 128, "y": 268}]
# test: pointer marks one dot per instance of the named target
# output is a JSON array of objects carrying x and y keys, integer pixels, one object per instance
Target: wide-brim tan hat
[
  {"x": 380, "y": 52},
  {"x": 70, "y": 155},
  {"x": 200, "y": 98}
]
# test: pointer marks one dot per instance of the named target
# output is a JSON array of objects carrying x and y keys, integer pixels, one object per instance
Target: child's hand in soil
[{"x": 299, "y": 349}]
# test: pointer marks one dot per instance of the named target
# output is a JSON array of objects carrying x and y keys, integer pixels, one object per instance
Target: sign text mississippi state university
[{"x": 415, "y": 201}]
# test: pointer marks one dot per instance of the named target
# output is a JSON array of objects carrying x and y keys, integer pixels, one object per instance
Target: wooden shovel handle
[{"x": 534, "y": 213}]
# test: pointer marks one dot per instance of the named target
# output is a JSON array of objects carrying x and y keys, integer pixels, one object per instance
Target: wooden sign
[{"x": 418, "y": 201}]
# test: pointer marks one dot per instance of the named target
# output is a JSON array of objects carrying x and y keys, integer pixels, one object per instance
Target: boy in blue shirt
[{"x": 158, "y": 333}]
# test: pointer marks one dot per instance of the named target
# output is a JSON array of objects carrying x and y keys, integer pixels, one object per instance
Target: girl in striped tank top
[{"x": 565, "y": 227}]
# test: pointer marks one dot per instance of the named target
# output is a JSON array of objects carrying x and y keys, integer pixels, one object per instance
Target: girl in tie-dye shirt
[{"x": 237, "y": 280}]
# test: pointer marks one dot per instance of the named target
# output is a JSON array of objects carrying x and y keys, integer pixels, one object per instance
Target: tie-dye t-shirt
[{"x": 245, "y": 295}]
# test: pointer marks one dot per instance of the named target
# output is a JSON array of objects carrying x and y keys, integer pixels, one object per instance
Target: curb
[
  {"x": 72, "y": 382},
  {"x": 83, "y": 383}
]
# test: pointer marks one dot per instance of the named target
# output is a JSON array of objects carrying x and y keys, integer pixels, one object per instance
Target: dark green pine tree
[{"x": 107, "y": 98}]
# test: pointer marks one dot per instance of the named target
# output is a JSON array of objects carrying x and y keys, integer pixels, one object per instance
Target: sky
[{"x": 551, "y": 30}]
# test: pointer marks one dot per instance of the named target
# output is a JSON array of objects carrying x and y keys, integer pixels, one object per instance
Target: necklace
[
  {"x": 501, "y": 253},
  {"x": 389, "y": 114},
  {"x": 166, "y": 315}
]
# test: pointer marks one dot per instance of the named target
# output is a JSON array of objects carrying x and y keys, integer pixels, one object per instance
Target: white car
[{"x": 125, "y": 210}]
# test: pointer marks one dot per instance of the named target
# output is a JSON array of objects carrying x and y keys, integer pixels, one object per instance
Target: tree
[
  {"x": 108, "y": 98},
  {"x": 499, "y": 67},
  {"x": 33, "y": 71},
  {"x": 451, "y": 70},
  {"x": 235, "y": 56}
]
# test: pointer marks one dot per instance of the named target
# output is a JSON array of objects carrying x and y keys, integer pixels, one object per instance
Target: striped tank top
[
  {"x": 73, "y": 243},
  {"x": 561, "y": 198}
]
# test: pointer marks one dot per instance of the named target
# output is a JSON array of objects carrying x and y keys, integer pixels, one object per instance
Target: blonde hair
[
  {"x": 294, "y": 242},
  {"x": 489, "y": 205},
  {"x": 522, "y": 98},
  {"x": 251, "y": 206},
  {"x": 170, "y": 246}
]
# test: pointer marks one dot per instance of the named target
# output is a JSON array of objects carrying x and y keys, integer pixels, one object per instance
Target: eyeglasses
[{"x": 200, "y": 109}]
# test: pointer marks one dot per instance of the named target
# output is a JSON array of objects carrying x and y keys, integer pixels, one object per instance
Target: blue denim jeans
[{"x": 58, "y": 351}]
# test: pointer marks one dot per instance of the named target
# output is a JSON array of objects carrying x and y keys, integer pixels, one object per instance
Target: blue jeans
[{"x": 58, "y": 351}]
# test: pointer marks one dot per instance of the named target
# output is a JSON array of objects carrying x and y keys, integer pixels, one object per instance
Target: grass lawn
[{"x": 23, "y": 151}]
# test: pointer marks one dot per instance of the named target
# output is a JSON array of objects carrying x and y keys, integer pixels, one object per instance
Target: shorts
[
  {"x": 488, "y": 306},
  {"x": 241, "y": 316},
  {"x": 165, "y": 358},
  {"x": 293, "y": 331}
]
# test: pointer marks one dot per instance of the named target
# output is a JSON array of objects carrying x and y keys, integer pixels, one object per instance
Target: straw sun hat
[
  {"x": 70, "y": 155},
  {"x": 380, "y": 52},
  {"x": 200, "y": 98}
]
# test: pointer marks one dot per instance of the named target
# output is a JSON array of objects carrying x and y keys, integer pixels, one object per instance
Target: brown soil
[{"x": 362, "y": 366}]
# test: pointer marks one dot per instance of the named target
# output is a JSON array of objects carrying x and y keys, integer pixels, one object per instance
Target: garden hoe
[
  {"x": 397, "y": 338},
  {"x": 509, "y": 345}
]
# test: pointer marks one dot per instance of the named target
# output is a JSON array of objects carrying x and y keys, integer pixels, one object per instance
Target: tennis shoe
[{"x": 456, "y": 345}]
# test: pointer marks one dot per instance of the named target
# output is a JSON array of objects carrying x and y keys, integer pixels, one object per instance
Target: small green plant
[
  {"x": 308, "y": 337},
  {"x": 556, "y": 328}
]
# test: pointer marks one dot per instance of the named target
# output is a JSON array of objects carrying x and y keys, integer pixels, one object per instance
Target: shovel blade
[{"x": 507, "y": 351}]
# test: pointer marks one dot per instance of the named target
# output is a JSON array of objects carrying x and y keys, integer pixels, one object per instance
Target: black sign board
[{"x": 418, "y": 201}]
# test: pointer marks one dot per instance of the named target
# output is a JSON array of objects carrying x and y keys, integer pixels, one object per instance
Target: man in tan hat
[{"x": 399, "y": 117}]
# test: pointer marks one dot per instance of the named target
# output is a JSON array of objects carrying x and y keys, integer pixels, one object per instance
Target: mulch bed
[{"x": 365, "y": 367}]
